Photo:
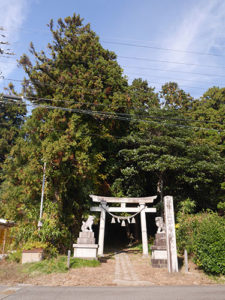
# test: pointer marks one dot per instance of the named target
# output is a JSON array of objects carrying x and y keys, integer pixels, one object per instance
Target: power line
[
  {"x": 184, "y": 72},
  {"x": 73, "y": 102},
  {"x": 169, "y": 78},
  {"x": 124, "y": 106},
  {"x": 187, "y": 86},
  {"x": 123, "y": 114},
  {"x": 130, "y": 44},
  {"x": 155, "y": 60},
  {"x": 138, "y": 74},
  {"x": 163, "y": 70},
  {"x": 170, "y": 62},
  {"x": 160, "y": 48},
  {"x": 116, "y": 116},
  {"x": 154, "y": 47},
  {"x": 54, "y": 84},
  {"x": 120, "y": 106}
]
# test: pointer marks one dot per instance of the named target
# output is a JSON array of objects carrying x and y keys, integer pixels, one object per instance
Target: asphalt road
[{"x": 113, "y": 293}]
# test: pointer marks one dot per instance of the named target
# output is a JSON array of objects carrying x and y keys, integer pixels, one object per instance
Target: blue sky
[{"x": 160, "y": 41}]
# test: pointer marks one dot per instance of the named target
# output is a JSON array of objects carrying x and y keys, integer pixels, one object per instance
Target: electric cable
[
  {"x": 121, "y": 114},
  {"x": 111, "y": 115},
  {"x": 160, "y": 48},
  {"x": 169, "y": 62}
]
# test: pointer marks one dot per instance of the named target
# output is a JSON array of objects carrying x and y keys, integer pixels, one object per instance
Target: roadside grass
[
  {"x": 219, "y": 279},
  {"x": 57, "y": 265}
]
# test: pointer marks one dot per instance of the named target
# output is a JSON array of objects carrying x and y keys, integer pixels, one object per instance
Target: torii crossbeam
[{"x": 142, "y": 208}]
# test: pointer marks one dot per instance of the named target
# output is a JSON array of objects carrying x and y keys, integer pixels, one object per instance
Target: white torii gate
[{"x": 142, "y": 208}]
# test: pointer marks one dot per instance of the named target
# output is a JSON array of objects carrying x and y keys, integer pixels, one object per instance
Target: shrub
[
  {"x": 209, "y": 244},
  {"x": 52, "y": 233},
  {"x": 185, "y": 230},
  {"x": 15, "y": 256},
  {"x": 49, "y": 250},
  {"x": 203, "y": 237}
]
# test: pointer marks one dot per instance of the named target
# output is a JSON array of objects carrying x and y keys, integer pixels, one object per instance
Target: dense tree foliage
[
  {"x": 98, "y": 134},
  {"x": 80, "y": 75},
  {"x": 163, "y": 153},
  {"x": 11, "y": 119}
]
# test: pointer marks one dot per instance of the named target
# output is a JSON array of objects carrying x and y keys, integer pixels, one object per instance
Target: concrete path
[
  {"x": 114, "y": 293},
  {"x": 125, "y": 274}
]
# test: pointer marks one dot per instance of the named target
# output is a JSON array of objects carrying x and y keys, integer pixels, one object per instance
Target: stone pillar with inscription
[{"x": 172, "y": 262}]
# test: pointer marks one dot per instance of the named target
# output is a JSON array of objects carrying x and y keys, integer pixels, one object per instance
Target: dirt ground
[
  {"x": 104, "y": 275},
  {"x": 161, "y": 276}
]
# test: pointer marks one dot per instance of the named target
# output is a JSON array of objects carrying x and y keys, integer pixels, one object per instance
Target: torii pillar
[{"x": 142, "y": 208}]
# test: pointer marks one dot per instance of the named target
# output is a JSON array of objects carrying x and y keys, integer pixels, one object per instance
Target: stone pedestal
[
  {"x": 159, "y": 251},
  {"x": 86, "y": 247},
  {"x": 34, "y": 255},
  {"x": 86, "y": 238}
]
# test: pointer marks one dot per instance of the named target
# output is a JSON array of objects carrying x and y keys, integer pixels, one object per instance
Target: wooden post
[
  {"x": 101, "y": 233},
  {"x": 144, "y": 230}
]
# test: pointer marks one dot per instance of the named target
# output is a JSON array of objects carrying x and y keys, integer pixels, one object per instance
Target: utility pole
[{"x": 42, "y": 198}]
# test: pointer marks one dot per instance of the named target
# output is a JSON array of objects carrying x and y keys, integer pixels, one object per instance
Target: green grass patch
[
  {"x": 57, "y": 265},
  {"x": 80, "y": 263},
  {"x": 138, "y": 247}
]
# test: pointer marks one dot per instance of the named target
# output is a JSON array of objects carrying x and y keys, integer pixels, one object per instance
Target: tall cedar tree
[{"x": 78, "y": 73}]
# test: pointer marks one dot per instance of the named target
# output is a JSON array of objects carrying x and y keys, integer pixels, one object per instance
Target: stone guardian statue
[{"x": 87, "y": 226}]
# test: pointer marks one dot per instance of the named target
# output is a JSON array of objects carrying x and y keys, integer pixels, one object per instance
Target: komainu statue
[
  {"x": 160, "y": 224},
  {"x": 87, "y": 226}
]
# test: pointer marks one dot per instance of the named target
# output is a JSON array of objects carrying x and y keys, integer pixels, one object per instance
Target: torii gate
[{"x": 142, "y": 209}]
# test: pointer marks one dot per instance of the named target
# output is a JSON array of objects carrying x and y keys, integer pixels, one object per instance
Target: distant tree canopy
[
  {"x": 166, "y": 153},
  {"x": 106, "y": 137}
]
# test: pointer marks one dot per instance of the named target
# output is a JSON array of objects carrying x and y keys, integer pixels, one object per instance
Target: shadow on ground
[{"x": 110, "y": 252}]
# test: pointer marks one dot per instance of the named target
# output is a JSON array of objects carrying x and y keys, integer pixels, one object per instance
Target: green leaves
[
  {"x": 154, "y": 144},
  {"x": 202, "y": 235},
  {"x": 78, "y": 73},
  {"x": 163, "y": 149},
  {"x": 11, "y": 118},
  {"x": 209, "y": 244}
]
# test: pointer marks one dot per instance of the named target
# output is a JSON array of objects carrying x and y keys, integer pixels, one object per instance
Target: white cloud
[
  {"x": 202, "y": 30},
  {"x": 12, "y": 17}
]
